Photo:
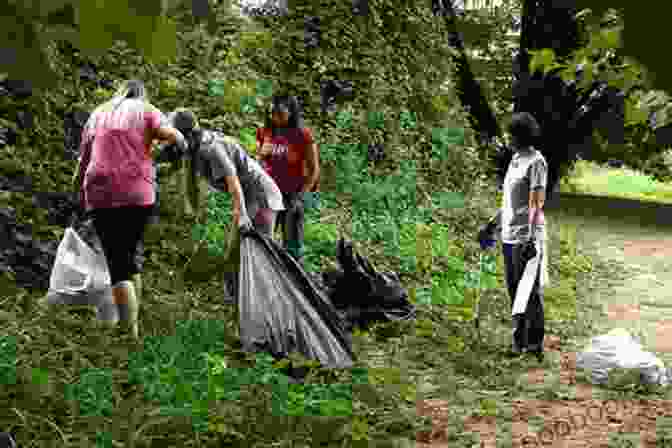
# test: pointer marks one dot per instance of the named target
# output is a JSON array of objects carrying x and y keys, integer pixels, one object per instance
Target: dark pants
[
  {"x": 528, "y": 328},
  {"x": 120, "y": 231},
  {"x": 291, "y": 220}
]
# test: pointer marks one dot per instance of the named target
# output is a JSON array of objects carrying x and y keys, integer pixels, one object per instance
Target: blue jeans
[
  {"x": 528, "y": 328},
  {"x": 291, "y": 220}
]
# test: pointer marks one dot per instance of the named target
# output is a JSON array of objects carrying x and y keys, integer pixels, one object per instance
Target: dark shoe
[{"x": 514, "y": 352}]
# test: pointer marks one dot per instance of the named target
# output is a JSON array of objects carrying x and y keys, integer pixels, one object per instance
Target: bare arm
[
  {"x": 233, "y": 185},
  {"x": 166, "y": 134},
  {"x": 313, "y": 162},
  {"x": 536, "y": 205}
]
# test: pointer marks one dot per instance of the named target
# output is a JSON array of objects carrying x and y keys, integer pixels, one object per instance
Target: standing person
[
  {"x": 521, "y": 222},
  {"x": 289, "y": 154},
  {"x": 115, "y": 179},
  {"x": 227, "y": 167}
]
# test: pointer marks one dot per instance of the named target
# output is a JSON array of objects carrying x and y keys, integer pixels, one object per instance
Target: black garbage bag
[
  {"x": 283, "y": 311},
  {"x": 364, "y": 295}
]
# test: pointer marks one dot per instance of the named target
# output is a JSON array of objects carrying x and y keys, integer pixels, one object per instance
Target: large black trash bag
[
  {"x": 283, "y": 311},
  {"x": 366, "y": 296}
]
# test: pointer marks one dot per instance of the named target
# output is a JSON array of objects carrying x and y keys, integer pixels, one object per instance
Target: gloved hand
[
  {"x": 486, "y": 237},
  {"x": 528, "y": 251}
]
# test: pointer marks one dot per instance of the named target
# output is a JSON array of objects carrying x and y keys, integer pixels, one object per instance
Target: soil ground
[{"x": 639, "y": 237}]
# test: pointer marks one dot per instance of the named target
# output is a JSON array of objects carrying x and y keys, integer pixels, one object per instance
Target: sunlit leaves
[{"x": 633, "y": 114}]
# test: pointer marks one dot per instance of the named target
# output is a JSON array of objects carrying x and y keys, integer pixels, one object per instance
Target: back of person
[
  {"x": 120, "y": 172},
  {"x": 253, "y": 179},
  {"x": 527, "y": 168}
]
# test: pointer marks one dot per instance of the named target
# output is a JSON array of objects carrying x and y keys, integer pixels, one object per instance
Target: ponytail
[{"x": 190, "y": 172}]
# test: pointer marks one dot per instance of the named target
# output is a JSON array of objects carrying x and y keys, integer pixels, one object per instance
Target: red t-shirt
[{"x": 286, "y": 164}]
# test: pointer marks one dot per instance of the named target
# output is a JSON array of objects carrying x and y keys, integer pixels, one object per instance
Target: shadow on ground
[{"x": 630, "y": 211}]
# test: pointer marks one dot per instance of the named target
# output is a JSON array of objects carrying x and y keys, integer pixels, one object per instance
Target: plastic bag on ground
[
  {"x": 619, "y": 349},
  {"x": 365, "y": 295},
  {"x": 283, "y": 311}
]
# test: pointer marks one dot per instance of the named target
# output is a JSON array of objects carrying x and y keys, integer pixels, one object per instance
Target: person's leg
[
  {"x": 102, "y": 222},
  {"x": 139, "y": 261},
  {"x": 535, "y": 317},
  {"x": 139, "y": 218},
  {"x": 294, "y": 223},
  {"x": 513, "y": 274},
  {"x": 264, "y": 221},
  {"x": 122, "y": 248}
]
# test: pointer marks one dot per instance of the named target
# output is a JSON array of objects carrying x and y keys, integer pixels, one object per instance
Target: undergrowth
[{"x": 189, "y": 384}]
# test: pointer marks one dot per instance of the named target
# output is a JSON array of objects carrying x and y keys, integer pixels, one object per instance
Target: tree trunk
[{"x": 471, "y": 95}]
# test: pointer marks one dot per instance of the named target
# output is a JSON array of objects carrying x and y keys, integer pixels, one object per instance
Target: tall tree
[
  {"x": 567, "y": 110},
  {"x": 469, "y": 90}
]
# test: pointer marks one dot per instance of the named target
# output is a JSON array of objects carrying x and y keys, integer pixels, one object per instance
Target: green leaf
[
  {"x": 633, "y": 114},
  {"x": 472, "y": 279},
  {"x": 376, "y": 120},
  {"x": 407, "y": 119},
  {"x": 541, "y": 59},
  {"x": 264, "y": 87},
  {"x": 450, "y": 199},
  {"x": 216, "y": 87},
  {"x": 40, "y": 376},
  {"x": 344, "y": 120},
  {"x": 612, "y": 37},
  {"x": 248, "y": 104}
]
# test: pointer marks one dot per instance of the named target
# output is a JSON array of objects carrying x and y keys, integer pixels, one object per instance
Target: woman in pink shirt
[{"x": 115, "y": 180}]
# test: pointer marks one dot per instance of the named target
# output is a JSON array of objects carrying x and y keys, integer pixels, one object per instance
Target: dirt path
[{"x": 638, "y": 236}]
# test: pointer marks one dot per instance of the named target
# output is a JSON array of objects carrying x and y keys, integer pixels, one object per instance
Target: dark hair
[
  {"x": 295, "y": 120},
  {"x": 136, "y": 89},
  {"x": 524, "y": 129}
]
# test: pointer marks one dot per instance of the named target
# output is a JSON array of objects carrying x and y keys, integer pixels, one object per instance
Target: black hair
[
  {"x": 524, "y": 128},
  {"x": 295, "y": 120}
]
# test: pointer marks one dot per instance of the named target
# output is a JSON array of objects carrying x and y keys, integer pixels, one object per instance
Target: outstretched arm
[{"x": 233, "y": 185}]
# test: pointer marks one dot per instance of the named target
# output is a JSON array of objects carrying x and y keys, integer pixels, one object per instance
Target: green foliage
[
  {"x": 91, "y": 27},
  {"x": 93, "y": 392},
  {"x": 344, "y": 120},
  {"x": 288, "y": 399},
  {"x": 7, "y": 360},
  {"x": 248, "y": 138},
  {"x": 319, "y": 242},
  {"x": 444, "y": 140},
  {"x": 103, "y": 440},
  {"x": 264, "y": 88},
  {"x": 215, "y": 231}
]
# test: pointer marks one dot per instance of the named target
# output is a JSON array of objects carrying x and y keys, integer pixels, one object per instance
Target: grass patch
[
  {"x": 188, "y": 383},
  {"x": 588, "y": 177}
]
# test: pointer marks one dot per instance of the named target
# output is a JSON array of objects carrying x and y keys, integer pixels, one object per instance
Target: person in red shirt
[{"x": 290, "y": 156}]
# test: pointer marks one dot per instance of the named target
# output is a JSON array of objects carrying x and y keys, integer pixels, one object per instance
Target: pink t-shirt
[{"x": 117, "y": 164}]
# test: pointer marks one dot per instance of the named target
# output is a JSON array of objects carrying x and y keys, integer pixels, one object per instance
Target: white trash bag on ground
[
  {"x": 619, "y": 349},
  {"x": 80, "y": 276}
]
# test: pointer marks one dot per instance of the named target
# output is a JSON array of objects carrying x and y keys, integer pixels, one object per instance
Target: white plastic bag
[
  {"x": 619, "y": 349},
  {"x": 77, "y": 267}
]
